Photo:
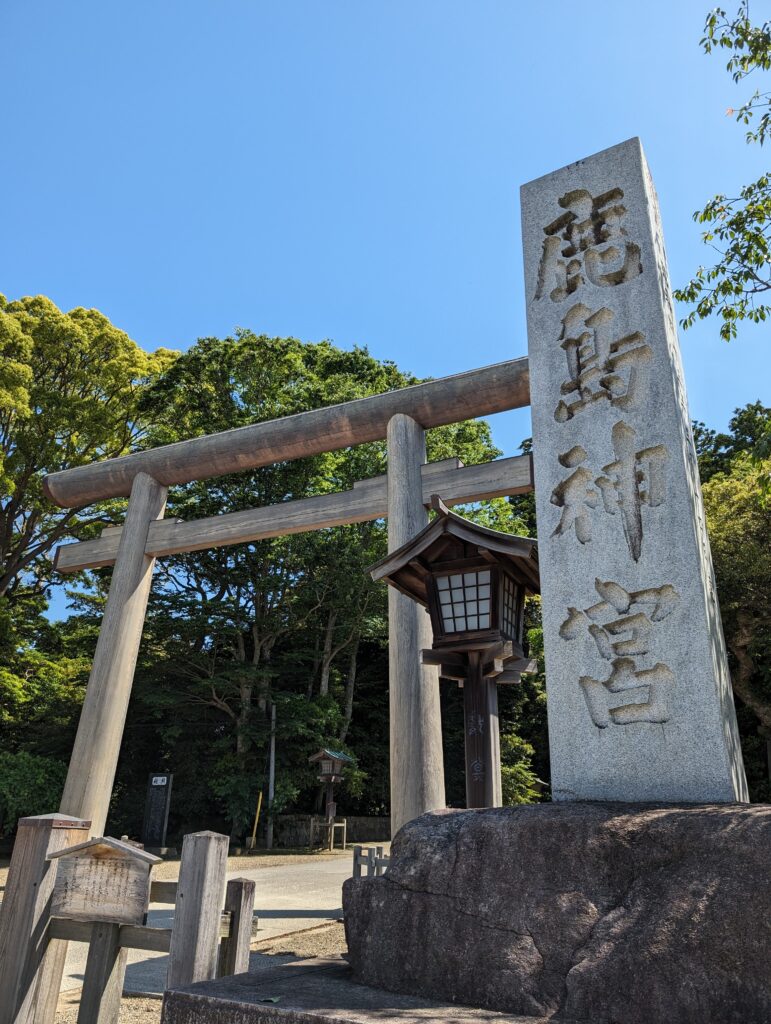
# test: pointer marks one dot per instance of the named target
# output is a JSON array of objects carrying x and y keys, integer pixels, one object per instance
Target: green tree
[
  {"x": 279, "y": 621},
  {"x": 738, "y": 227},
  {"x": 29, "y": 784},
  {"x": 748, "y": 431},
  {"x": 70, "y": 384},
  {"x": 519, "y": 783},
  {"x": 294, "y": 621},
  {"x": 739, "y": 523}
]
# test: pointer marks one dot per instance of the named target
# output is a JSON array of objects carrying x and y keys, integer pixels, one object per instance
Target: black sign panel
[{"x": 157, "y": 809}]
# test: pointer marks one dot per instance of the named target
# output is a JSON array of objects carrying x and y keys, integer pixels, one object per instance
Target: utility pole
[{"x": 271, "y": 778}]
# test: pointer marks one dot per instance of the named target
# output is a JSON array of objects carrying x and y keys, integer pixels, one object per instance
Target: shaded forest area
[{"x": 293, "y": 621}]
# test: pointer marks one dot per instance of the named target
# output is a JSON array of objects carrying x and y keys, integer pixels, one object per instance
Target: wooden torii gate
[{"x": 417, "y": 777}]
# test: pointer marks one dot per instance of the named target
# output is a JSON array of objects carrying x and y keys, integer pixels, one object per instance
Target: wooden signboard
[
  {"x": 157, "y": 805},
  {"x": 102, "y": 880}
]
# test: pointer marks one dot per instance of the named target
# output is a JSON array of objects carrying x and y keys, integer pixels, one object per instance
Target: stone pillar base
[{"x": 605, "y": 912}]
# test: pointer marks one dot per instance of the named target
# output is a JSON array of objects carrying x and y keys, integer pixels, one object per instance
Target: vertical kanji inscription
[{"x": 639, "y": 698}]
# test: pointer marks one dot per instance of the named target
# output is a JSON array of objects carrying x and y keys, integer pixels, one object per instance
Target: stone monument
[
  {"x": 640, "y": 895},
  {"x": 639, "y": 697}
]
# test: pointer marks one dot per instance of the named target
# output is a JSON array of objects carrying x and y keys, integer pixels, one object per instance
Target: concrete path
[{"x": 290, "y": 897}]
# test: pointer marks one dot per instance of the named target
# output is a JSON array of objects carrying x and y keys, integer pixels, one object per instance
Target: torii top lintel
[{"x": 435, "y": 403}]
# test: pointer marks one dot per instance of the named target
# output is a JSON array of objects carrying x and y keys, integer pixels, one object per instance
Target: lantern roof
[
  {"x": 449, "y": 539},
  {"x": 332, "y": 755},
  {"x": 104, "y": 846}
]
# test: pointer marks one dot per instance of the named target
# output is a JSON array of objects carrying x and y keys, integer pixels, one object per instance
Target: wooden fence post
[
  {"x": 234, "y": 950},
  {"x": 25, "y": 952},
  {"x": 200, "y": 891},
  {"x": 103, "y": 981}
]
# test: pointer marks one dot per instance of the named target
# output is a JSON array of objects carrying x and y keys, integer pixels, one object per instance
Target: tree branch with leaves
[{"x": 737, "y": 228}]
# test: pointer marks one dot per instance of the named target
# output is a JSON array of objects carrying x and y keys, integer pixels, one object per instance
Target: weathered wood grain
[
  {"x": 103, "y": 980},
  {"x": 234, "y": 950},
  {"x": 100, "y": 729},
  {"x": 132, "y": 936},
  {"x": 200, "y": 892},
  {"x": 163, "y": 892},
  {"x": 494, "y": 787},
  {"x": 367, "y": 500},
  {"x": 69, "y": 931},
  {"x": 464, "y": 396},
  {"x": 24, "y": 910},
  {"x": 137, "y": 936},
  {"x": 101, "y": 885},
  {"x": 417, "y": 770}
]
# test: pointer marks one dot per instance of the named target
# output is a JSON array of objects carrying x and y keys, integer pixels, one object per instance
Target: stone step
[{"x": 317, "y": 991}]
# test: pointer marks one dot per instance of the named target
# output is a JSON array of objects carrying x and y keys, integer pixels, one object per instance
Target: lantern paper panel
[{"x": 465, "y": 600}]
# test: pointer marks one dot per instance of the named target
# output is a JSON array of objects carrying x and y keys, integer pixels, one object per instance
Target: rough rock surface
[{"x": 601, "y": 912}]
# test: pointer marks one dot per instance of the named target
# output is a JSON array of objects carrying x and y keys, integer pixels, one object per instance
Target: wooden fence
[
  {"x": 207, "y": 939},
  {"x": 372, "y": 860}
]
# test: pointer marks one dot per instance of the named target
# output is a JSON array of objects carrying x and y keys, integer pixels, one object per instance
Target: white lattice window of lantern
[
  {"x": 327, "y": 767},
  {"x": 510, "y": 607},
  {"x": 464, "y": 600}
]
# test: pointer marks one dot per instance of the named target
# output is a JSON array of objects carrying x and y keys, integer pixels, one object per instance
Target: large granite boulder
[{"x": 601, "y": 912}]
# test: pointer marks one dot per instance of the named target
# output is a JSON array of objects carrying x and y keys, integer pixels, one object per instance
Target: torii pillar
[{"x": 417, "y": 767}]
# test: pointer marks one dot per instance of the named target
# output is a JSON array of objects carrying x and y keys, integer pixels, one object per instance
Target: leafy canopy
[
  {"x": 70, "y": 385},
  {"x": 734, "y": 484},
  {"x": 28, "y": 783},
  {"x": 287, "y": 621},
  {"x": 737, "y": 227}
]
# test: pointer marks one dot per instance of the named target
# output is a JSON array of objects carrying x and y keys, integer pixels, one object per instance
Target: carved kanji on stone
[
  {"x": 576, "y": 496},
  {"x": 587, "y": 245},
  {"x": 635, "y": 478},
  {"x": 643, "y": 692},
  {"x": 601, "y": 367},
  {"x": 617, "y": 497}
]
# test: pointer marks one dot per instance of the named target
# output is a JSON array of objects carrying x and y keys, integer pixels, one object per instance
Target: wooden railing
[{"x": 372, "y": 859}]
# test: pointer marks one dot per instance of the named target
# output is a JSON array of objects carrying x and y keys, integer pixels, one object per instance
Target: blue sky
[{"x": 348, "y": 170}]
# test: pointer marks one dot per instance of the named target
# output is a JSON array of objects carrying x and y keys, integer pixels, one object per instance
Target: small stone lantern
[
  {"x": 331, "y": 765},
  {"x": 473, "y": 581}
]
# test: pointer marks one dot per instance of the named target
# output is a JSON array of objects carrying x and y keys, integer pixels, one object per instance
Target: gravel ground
[
  {"x": 328, "y": 940},
  {"x": 132, "y": 1011}
]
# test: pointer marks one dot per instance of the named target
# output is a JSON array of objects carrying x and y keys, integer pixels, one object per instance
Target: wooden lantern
[
  {"x": 331, "y": 764},
  {"x": 474, "y": 582}
]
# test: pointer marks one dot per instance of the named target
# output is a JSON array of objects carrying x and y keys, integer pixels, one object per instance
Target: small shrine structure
[{"x": 331, "y": 766}]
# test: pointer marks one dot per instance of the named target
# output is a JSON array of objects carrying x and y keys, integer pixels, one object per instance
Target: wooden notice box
[{"x": 102, "y": 880}]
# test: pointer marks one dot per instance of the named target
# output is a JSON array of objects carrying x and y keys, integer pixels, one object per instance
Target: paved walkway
[{"x": 289, "y": 898}]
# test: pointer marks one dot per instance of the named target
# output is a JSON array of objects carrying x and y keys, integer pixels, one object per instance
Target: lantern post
[
  {"x": 474, "y": 582},
  {"x": 331, "y": 765}
]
